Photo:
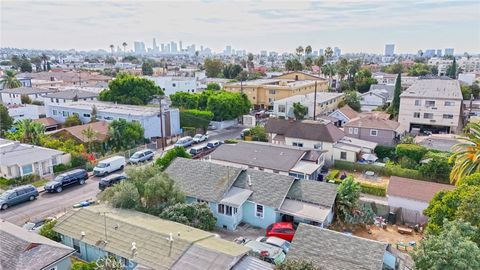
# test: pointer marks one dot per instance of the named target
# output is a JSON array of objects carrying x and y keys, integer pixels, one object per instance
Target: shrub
[
  {"x": 332, "y": 175},
  {"x": 259, "y": 133},
  {"x": 412, "y": 151},
  {"x": 437, "y": 169},
  {"x": 47, "y": 231},
  {"x": 385, "y": 152},
  {"x": 170, "y": 155},
  {"x": 351, "y": 166},
  {"x": 60, "y": 168},
  {"x": 373, "y": 189},
  {"x": 393, "y": 169},
  {"x": 197, "y": 215},
  {"x": 230, "y": 141},
  {"x": 407, "y": 163}
]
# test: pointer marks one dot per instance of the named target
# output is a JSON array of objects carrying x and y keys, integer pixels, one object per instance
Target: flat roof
[
  {"x": 108, "y": 107},
  {"x": 434, "y": 88},
  {"x": 321, "y": 97},
  {"x": 305, "y": 210}
]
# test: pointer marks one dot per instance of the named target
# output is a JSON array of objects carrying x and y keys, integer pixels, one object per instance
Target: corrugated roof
[
  {"x": 308, "y": 130},
  {"x": 414, "y": 189}
]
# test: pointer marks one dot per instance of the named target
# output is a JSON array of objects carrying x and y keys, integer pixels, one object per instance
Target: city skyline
[{"x": 254, "y": 26}]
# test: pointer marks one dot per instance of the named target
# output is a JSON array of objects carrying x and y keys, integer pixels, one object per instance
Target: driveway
[{"x": 243, "y": 230}]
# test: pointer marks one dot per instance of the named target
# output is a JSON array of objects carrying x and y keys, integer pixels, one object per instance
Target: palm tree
[
  {"x": 308, "y": 50},
  {"x": 299, "y": 51},
  {"x": 329, "y": 70},
  {"x": 89, "y": 135},
  {"x": 10, "y": 81},
  {"x": 111, "y": 48},
  {"x": 466, "y": 154},
  {"x": 328, "y": 53},
  {"x": 124, "y": 44},
  {"x": 28, "y": 131},
  {"x": 44, "y": 58}
]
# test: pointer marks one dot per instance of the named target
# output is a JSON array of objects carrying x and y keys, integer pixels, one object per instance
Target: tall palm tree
[
  {"x": 111, "y": 48},
  {"x": 44, "y": 58},
  {"x": 308, "y": 50},
  {"x": 466, "y": 154},
  {"x": 124, "y": 44},
  {"x": 10, "y": 81},
  {"x": 299, "y": 51},
  {"x": 328, "y": 53},
  {"x": 329, "y": 70}
]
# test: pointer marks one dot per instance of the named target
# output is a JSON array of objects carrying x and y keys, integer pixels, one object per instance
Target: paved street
[{"x": 50, "y": 204}]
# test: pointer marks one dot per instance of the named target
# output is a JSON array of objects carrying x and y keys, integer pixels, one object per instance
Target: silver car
[{"x": 141, "y": 156}]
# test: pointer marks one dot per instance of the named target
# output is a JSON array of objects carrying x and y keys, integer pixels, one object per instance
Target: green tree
[
  {"x": 393, "y": 68},
  {"x": 294, "y": 264},
  {"x": 123, "y": 195},
  {"x": 72, "y": 120},
  {"x": 363, "y": 80},
  {"x": 348, "y": 196},
  {"x": 231, "y": 71},
  {"x": 25, "y": 99},
  {"x": 6, "y": 120},
  {"x": 164, "y": 161},
  {"x": 161, "y": 192},
  {"x": 465, "y": 154},
  {"x": 184, "y": 100},
  {"x": 227, "y": 105},
  {"x": 195, "y": 118},
  {"x": 293, "y": 65},
  {"x": 213, "y": 67},
  {"x": 25, "y": 65},
  {"x": 308, "y": 62},
  {"x": 328, "y": 53},
  {"x": 128, "y": 89},
  {"x": 452, "y": 249},
  {"x": 352, "y": 100},
  {"x": 10, "y": 81},
  {"x": 411, "y": 151},
  {"x": 452, "y": 70},
  {"x": 329, "y": 70},
  {"x": 259, "y": 133},
  {"x": 89, "y": 135},
  {"x": 475, "y": 88},
  {"x": 342, "y": 68},
  {"x": 27, "y": 131},
  {"x": 395, "y": 106},
  {"x": 299, "y": 51},
  {"x": 147, "y": 69},
  {"x": 320, "y": 61},
  {"x": 196, "y": 215},
  {"x": 125, "y": 135},
  {"x": 213, "y": 86},
  {"x": 308, "y": 50},
  {"x": 299, "y": 110},
  {"x": 436, "y": 169},
  {"x": 79, "y": 265},
  {"x": 110, "y": 61},
  {"x": 418, "y": 69},
  {"x": 93, "y": 114},
  {"x": 466, "y": 92},
  {"x": 47, "y": 231}
]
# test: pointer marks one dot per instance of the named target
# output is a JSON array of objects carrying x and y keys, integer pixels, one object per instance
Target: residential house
[
  {"x": 299, "y": 76},
  {"x": 263, "y": 92},
  {"x": 385, "y": 78},
  {"x": 352, "y": 149},
  {"x": 344, "y": 114},
  {"x": 70, "y": 95},
  {"x": 100, "y": 128},
  {"x": 24, "y": 250},
  {"x": 432, "y": 104},
  {"x": 14, "y": 95},
  {"x": 148, "y": 117},
  {"x": 379, "y": 95},
  {"x": 47, "y": 84},
  {"x": 409, "y": 197},
  {"x": 331, "y": 250},
  {"x": 18, "y": 159},
  {"x": 67, "y": 78},
  {"x": 375, "y": 128},
  {"x": 285, "y": 160},
  {"x": 48, "y": 123},
  {"x": 326, "y": 102},
  {"x": 23, "y": 111},
  {"x": 142, "y": 241},
  {"x": 26, "y": 82},
  {"x": 255, "y": 197},
  {"x": 171, "y": 85}
]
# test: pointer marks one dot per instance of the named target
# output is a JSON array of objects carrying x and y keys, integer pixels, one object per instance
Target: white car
[
  {"x": 200, "y": 138},
  {"x": 275, "y": 241},
  {"x": 109, "y": 165}
]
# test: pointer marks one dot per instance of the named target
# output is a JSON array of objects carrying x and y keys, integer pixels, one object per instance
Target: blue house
[{"x": 252, "y": 196}]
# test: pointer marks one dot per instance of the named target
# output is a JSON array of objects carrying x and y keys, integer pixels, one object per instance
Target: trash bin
[{"x": 392, "y": 218}]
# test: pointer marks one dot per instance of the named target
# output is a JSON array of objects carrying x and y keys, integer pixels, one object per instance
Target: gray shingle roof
[
  {"x": 315, "y": 192},
  {"x": 259, "y": 154},
  {"x": 27, "y": 90},
  {"x": 268, "y": 188},
  {"x": 23, "y": 250},
  {"x": 383, "y": 89},
  {"x": 332, "y": 250},
  {"x": 71, "y": 94},
  {"x": 202, "y": 180},
  {"x": 308, "y": 130},
  {"x": 18, "y": 153}
]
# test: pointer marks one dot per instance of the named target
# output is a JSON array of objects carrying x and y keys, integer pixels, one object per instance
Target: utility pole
[
  {"x": 315, "y": 103},
  {"x": 160, "y": 97}
]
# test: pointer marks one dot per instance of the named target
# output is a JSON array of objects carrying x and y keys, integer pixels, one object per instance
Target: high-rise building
[
  {"x": 173, "y": 47},
  {"x": 429, "y": 53},
  {"x": 163, "y": 47},
  {"x": 263, "y": 53},
  {"x": 389, "y": 49},
  {"x": 337, "y": 52},
  {"x": 201, "y": 48},
  {"x": 439, "y": 53},
  {"x": 320, "y": 52},
  {"x": 448, "y": 52},
  {"x": 228, "y": 50},
  {"x": 180, "y": 45},
  {"x": 167, "y": 48},
  {"x": 139, "y": 47},
  {"x": 155, "y": 46}
]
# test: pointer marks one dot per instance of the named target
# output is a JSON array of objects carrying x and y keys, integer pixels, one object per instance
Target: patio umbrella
[{"x": 369, "y": 157}]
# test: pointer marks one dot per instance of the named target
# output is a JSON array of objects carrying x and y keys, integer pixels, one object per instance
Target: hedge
[
  {"x": 18, "y": 181},
  {"x": 371, "y": 189},
  {"x": 332, "y": 175},
  {"x": 412, "y": 151},
  {"x": 385, "y": 152}
]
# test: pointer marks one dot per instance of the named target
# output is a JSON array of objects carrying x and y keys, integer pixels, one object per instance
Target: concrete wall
[{"x": 24, "y": 112}]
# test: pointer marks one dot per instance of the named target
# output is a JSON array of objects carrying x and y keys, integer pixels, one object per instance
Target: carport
[{"x": 305, "y": 212}]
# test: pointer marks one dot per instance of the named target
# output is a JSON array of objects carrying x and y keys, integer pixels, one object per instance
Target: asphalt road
[{"x": 52, "y": 204}]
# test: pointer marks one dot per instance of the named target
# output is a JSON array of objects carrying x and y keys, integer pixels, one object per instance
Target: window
[
  {"x": 448, "y": 116},
  {"x": 449, "y": 103},
  {"x": 65, "y": 114},
  {"x": 76, "y": 245},
  {"x": 54, "y": 112},
  {"x": 428, "y": 115},
  {"x": 355, "y": 131},
  {"x": 221, "y": 209},
  {"x": 271, "y": 92},
  {"x": 174, "y": 85},
  {"x": 27, "y": 169},
  {"x": 318, "y": 146},
  {"x": 108, "y": 118},
  {"x": 373, "y": 132},
  {"x": 86, "y": 115},
  {"x": 201, "y": 201},
  {"x": 299, "y": 144},
  {"x": 418, "y": 102},
  {"x": 276, "y": 171},
  {"x": 51, "y": 99},
  {"x": 57, "y": 100},
  {"x": 350, "y": 130},
  {"x": 226, "y": 210},
  {"x": 343, "y": 155},
  {"x": 281, "y": 108},
  {"x": 259, "y": 210},
  {"x": 416, "y": 115},
  {"x": 430, "y": 103},
  {"x": 260, "y": 168}
]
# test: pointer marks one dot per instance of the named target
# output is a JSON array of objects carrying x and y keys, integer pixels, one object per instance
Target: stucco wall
[{"x": 269, "y": 215}]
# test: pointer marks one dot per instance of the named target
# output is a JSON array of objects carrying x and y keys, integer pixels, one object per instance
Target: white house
[
  {"x": 148, "y": 117},
  {"x": 23, "y": 111},
  {"x": 18, "y": 159},
  {"x": 326, "y": 102},
  {"x": 344, "y": 114},
  {"x": 378, "y": 95},
  {"x": 171, "y": 85},
  {"x": 70, "y": 95},
  {"x": 13, "y": 95}
]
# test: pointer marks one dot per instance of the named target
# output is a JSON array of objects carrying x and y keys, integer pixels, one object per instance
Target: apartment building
[
  {"x": 263, "y": 92},
  {"x": 171, "y": 85},
  {"x": 14, "y": 95},
  {"x": 432, "y": 105},
  {"x": 148, "y": 117},
  {"x": 466, "y": 64},
  {"x": 325, "y": 104}
]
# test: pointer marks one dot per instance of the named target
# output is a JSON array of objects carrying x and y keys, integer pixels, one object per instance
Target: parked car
[
  {"x": 109, "y": 165},
  {"x": 275, "y": 241},
  {"x": 36, "y": 225},
  {"x": 111, "y": 180},
  {"x": 283, "y": 230},
  {"x": 266, "y": 252},
  {"x": 198, "y": 138},
  {"x": 213, "y": 144},
  {"x": 184, "y": 142},
  {"x": 196, "y": 150},
  {"x": 141, "y": 156},
  {"x": 211, "y": 127},
  {"x": 17, "y": 195},
  {"x": 66, "y": 179}
]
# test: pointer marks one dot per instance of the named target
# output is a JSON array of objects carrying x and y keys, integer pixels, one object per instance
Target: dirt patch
[{"x": 389, "y": 235}]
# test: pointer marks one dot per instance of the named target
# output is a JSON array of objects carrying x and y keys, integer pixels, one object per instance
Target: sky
[{"x": 351, "y": 25}]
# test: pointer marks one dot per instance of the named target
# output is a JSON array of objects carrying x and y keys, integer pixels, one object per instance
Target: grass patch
[{"x": 40, "y": 183}]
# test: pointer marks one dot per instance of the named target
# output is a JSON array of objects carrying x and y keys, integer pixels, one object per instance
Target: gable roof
[
  {"x": 308, "y": 130},
  {"x": 196, "y": 248},
  {"x": 22, "y": 249},
  {"x": 414, "y": 189},
  {"x": 27, "y": 90},
  {"x": 372, "y": 121},
  {"x": 202, "y": 180},
  {"x": 47, "y": 121},
  {"x": 331, "y": 250},
  {"x": 100, "y": 128},
  {"x": 71, "y": 94},
  {"x": 348, "y": 112},
  {"x": 262, "y": 155},
  {"x": 315, "y": 192},
  {"x": 268, "y": 188}
]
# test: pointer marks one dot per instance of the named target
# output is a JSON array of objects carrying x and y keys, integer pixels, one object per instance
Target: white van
[{"x": 109, "y": 165}]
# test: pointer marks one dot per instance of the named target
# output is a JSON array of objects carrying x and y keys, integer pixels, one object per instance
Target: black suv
[
  {"x": 111, "y": 180},
  {"x": 66, "y": 179}
]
